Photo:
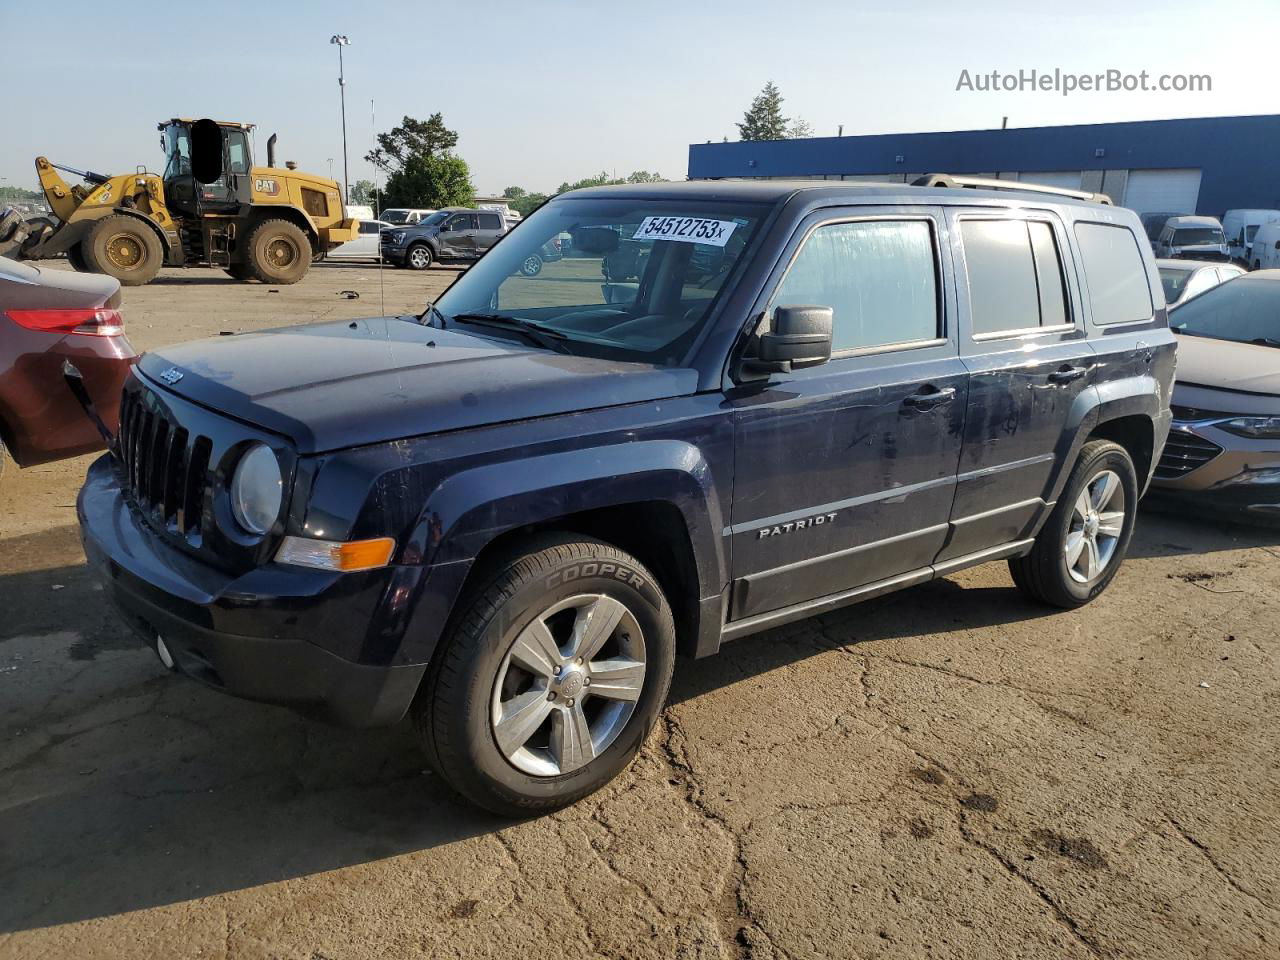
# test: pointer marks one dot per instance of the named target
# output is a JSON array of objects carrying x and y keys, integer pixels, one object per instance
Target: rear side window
[
  {"x": 879, "y": 277},
  {"x": 1115, "y": 273},
  {"x": 1015, "y": 276},
  {"x": 490, "y": 221}
]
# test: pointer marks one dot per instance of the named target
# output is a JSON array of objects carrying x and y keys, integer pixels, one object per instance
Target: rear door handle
[
  {"x": 1067, "y": 374},
  {"x": 928, "y": 399}
]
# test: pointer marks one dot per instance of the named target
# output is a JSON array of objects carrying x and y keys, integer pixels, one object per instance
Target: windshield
[
  {"x": 1174, "y": 282},
  {"x": 177, "y": 148},
  {"x": 1191, "y": 236},
  {"x": 1243, "y": 310},
  {"x": 395, "y": 216},
  {"x": 438, "y": 217},
  {"x": 638, "y": 281}
]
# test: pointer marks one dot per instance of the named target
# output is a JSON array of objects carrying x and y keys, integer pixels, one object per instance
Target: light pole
[{"x": 342, "y": 41}]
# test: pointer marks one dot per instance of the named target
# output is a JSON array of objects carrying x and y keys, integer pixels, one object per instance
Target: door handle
[
  {"x": 928, "y": 399},
  {"x": 1066, "y": 374}
]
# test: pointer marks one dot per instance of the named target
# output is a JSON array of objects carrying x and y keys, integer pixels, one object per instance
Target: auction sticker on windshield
[{"x": 714, "y": 233}]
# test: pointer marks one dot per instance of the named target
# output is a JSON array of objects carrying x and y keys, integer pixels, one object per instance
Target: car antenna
[{"x": 377, "y": 213}]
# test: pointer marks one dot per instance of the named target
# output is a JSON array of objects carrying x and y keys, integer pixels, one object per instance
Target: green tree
[
  {"x": 800, "y": 129},
  {"x": 362, "y": 191},
  {"x": 764, "y": 120},
  {"x": 421, "y": 169},
  {"x": 442, "y": 180},
  {"x": 18, "y": 193}
]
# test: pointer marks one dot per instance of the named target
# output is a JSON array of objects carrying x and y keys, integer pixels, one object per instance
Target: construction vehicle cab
[{"x": 211, "y": 206}]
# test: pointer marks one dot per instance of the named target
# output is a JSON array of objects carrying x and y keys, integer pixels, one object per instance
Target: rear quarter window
[{"x": 1114, "y": 272}]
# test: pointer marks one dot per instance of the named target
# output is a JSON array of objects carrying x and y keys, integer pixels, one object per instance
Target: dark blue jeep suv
[{"x": 506, "y": 516}]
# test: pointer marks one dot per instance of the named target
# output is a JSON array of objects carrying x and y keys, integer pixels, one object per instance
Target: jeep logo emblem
[{"x": 171, "y": 376}]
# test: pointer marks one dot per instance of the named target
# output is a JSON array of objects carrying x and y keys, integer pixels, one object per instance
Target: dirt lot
[{"x": 947, "y": 772}]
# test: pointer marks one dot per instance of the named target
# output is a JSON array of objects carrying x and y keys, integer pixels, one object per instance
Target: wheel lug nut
[
  {"x": 586, "y": 681},
  {"x": 571, "y": 703},
  {"x": 579, "y": 659},
  {"x": 551, "y": 695},
  {"x": 556, "y": 671}
]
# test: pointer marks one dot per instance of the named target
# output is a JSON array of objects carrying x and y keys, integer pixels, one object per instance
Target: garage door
[
  {"x": 1065, "y": 179},
  {"x": 1162, "y": 191}
]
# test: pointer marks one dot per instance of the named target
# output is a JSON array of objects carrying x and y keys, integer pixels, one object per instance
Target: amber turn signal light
[{"x": 344, "y": 557}]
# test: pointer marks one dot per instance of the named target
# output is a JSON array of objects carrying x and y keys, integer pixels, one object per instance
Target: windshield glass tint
[
  {"x": 1197, "y": 235},
  {"x": 1174, "y": 282},
  {"x": 623, "y": 279},
  {"x": 1243, "y": 310}
]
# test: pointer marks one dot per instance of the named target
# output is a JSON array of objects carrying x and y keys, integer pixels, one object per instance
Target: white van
[
  {"x": 404, "y": 216},
  {"x": 1193, "y": 238},
  {"x": 1240, "y": 226},
  {"x": 1265, "y": 252}
]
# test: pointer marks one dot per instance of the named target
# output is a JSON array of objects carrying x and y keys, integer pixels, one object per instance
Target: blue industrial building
[{"x": 1205, "y": 165}]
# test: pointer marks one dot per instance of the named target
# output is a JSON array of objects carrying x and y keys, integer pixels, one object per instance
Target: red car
[{"x": 63, "y": 360}]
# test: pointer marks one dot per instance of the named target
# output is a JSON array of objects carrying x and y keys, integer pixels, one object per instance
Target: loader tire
[
  {"x": 123, "y": 247},
  {"x": 239, "y": 271},
  {"x": 279, "y": 252}
]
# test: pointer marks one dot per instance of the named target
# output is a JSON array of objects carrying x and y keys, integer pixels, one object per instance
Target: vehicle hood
[
  {"x": 1226, "y": 365},
  {"x": 335, "y": 385}
]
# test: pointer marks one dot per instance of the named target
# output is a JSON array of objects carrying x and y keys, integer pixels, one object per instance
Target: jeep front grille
[
  {"x": 164, "y": 469},
  {"x": 1184, "y": 451}
]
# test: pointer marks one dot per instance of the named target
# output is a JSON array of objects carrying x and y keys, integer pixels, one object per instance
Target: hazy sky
[{"x": 543, "y": 91}]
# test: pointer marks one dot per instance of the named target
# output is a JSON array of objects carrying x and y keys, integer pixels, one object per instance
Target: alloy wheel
[
  {"x": 568, "y": 685},
  {"x": 1097, "y": 521}
]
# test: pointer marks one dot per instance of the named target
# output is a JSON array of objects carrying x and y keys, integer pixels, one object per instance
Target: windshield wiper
[{"x": 533, "y": 331}]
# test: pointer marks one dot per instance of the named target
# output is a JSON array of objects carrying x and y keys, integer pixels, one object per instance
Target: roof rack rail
[{"x": 986, "y": 183}]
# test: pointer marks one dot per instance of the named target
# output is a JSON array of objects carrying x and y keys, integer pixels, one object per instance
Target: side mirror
[
  {"x": 206, "y": 151},
  {"x": 801, "y": 337}
]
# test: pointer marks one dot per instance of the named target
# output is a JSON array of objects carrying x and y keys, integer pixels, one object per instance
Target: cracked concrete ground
[{"x": 945, "y": 772}]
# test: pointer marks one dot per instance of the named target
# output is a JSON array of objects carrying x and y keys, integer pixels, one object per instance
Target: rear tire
[
  {"x": 1082, "y": 544},
  {"x": 419, "y": 257},
  {"x": 123, "y": 247},
  {"x": 531, "y": 266},
  {"x": 279, "y": 252},
  {"x": 508, "y": 713}
]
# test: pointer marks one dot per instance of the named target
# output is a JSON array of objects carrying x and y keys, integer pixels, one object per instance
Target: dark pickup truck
[{"x": 504, "y": 517}]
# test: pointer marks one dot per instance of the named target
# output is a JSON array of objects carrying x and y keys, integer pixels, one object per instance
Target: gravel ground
[{"x": 946, "y": 772}]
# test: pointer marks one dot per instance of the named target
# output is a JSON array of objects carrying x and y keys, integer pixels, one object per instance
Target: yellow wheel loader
[{"x": 211, "y": 206}]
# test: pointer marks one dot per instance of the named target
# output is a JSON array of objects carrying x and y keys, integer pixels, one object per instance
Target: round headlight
[{"x": 257, "y": 489}]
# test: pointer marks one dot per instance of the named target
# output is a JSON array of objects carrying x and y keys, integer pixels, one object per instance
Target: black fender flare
[{"x": 470, "y": 509}]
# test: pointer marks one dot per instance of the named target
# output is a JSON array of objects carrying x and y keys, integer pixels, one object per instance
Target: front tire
[
  {"x": 419, "y": 257},
  {"x": 1082, "y": 544},
  {"x": 75, "y": 257},
  {"x": 279, "y": 252},
  {"x": 123, "y": 247},
  {"x": 550, "y": 679},
  {"x": 531, "y": 266}
]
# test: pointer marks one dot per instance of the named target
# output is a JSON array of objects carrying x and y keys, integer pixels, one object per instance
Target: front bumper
[
  {"x": 1220, "y": 469},
  {"x": 243, "y": 635}
]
